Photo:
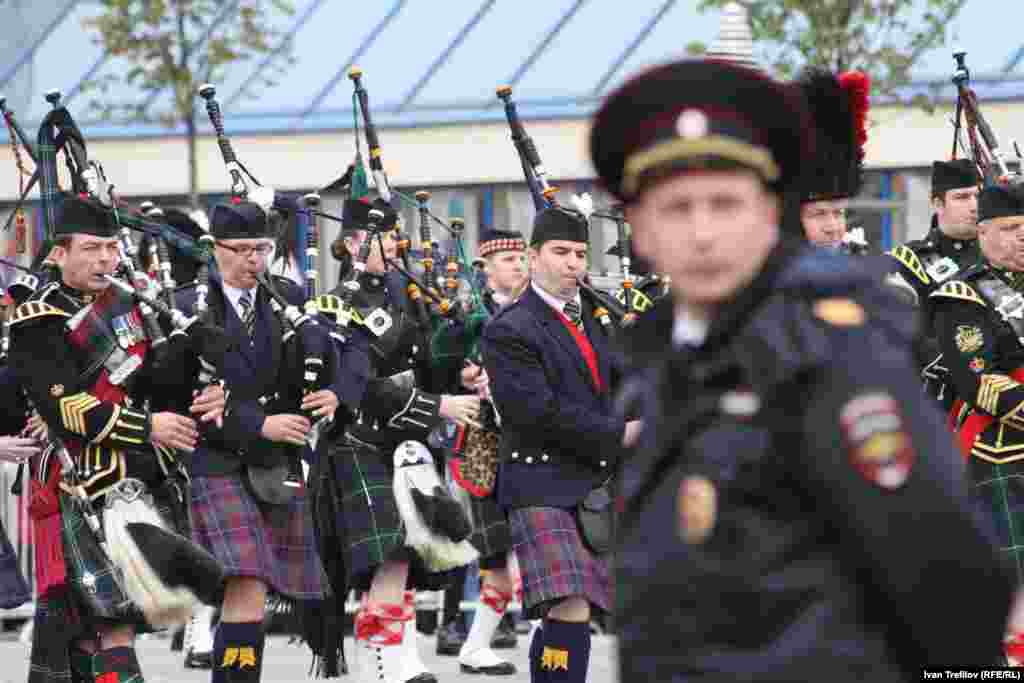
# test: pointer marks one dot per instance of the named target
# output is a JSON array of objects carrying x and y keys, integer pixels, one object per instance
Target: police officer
[
  {"x": 80, "y": 351},
  {"x": 978, "y": 322},
  {"x": 247, "y": 509},
  {"x": 552, "y": 376},
  {"x": 792, "y": 510}
]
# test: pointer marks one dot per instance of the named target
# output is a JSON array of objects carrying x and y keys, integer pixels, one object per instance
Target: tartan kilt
[
  {"x": 492, "y": 535},
  {"x": 553, "y": 561},
  {"x": 14, "y": 591},
  {"x": 999, "y": 493},
  {"x": 358, "y": 479},
  {"x": 277, "y": 548}
]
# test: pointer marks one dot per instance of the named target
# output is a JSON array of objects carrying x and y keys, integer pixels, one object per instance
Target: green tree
[
  {"x": 178, "y": 45},
  {"x": 883, "y": 38}
]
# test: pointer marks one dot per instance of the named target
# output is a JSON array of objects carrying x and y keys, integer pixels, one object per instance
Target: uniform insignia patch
[
  {"x": 878, "y": 445},
  {"x": 977, "y": 364},
  {"x": 969, "y": 338},
  {"x": 57, "y": 390},
  {"x": 840, "y": 312},
  {"x": 697, "y": 506}
]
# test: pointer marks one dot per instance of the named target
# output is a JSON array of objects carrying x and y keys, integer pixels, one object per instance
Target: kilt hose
[
  {"x": 356, "y": 482},
  {"x": 999, "y": 492},
  {"x": 553, "y": 561},
  {"x": 14, "y": 591},
  {"x": 277, "y": 548}
]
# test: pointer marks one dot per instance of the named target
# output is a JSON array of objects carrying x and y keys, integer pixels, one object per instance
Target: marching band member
[
  {"x": 80, "y": 352},
  {"x": 792, "y": 510},
  {"x": 978, "y": 326},
  {"x": 244, "y": 510},
  {"x": 552, "y": 377},
  {"x": 397, "y": 413}
]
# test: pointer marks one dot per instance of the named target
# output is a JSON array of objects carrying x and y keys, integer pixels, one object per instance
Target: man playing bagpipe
[
  {"x": 109, "y": 492},
  {"x": 397, "y": 526},
  {"x": 249, "y": 505},
  {"x": 949, "y": 248},
  {"x": 793, "y": 510},
  {"x": 552, "y": 377},
  {"x": 978, "y": 323}
]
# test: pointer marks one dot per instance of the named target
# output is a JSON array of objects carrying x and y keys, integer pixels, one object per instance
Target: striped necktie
[
  {"x": 248, "y": 313},
  {"x": 572, "y": 312}
]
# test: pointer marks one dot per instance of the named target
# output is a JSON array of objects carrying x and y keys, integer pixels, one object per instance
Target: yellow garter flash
[
  {"x": 246, "y": 657},
  {"x": 909, "y": 259},
  {"x": 553, "y": 660},
  {"x": 73, "y": 409},
  {"x": 991, "y": 388}
]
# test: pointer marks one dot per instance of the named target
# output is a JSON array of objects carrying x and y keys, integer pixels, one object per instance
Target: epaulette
[
  {"x": 958, "y": 289},
  {"x": 910, "y": 260},
  {"x": 30, "y": 310},
  {"x": 329, "y": 304}
]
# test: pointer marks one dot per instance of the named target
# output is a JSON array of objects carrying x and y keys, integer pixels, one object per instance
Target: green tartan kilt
[
  {"x": 93, "y": 578},
  {"x": 359, "y": 483},
  {"x": 999, "y": 493}
]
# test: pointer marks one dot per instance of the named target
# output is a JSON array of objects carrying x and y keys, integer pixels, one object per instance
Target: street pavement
[{"x": 289, "y": 662}]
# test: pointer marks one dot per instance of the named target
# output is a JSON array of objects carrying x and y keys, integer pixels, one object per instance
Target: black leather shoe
[
  {"x": 199, "y": 660},
  {"x": 505, "y": 637},
  {"x": 423, "y": 678},
  {"x": 503, "y": 669},
  {"x": 450, "y": 639}
]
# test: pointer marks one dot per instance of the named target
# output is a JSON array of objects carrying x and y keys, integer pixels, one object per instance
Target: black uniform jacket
[{"x": 795, "y": 510}]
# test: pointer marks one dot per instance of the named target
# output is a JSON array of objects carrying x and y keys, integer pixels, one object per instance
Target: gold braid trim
[
  {"x": 990, "y": 389},
  {"x": 73, "y": 410},
  {"x": 35, "y": 309},
  {"x": 908, "y": 258},
  {"x": 958, "y": 290}
]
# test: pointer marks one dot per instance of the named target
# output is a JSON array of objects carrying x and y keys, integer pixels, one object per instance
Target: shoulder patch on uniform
[
  {"x": 909, "y": 259},
  {"x": 958, "y": 290},
  {"x": 969, "y": 338},
  {"x": 840, "y": 312},
  {"x": 877, "y": 442},
  {"x": 36, "y": 309}
]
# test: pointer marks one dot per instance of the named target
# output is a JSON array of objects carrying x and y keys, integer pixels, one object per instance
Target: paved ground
[{"x": 287, "y": 662}]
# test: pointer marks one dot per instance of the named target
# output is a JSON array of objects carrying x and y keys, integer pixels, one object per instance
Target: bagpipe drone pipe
[
  {"x": 974, "y": 137},
  {"x": 607, "y": 311}
]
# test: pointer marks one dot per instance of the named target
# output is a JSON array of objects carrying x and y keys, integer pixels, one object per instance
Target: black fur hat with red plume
[{"x": 839, "y": 106}]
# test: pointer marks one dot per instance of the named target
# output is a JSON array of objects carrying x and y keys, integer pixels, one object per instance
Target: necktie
[
  {"x": 572, "y": 312},
  {"x": 248, "y": 313}
]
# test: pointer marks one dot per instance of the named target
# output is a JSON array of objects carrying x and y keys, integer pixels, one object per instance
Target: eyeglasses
[{"x": 246, "y": 252}]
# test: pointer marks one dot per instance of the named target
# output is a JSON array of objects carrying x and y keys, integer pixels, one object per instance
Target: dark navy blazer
[
  {"x": 560, "y": 435},
  {"x": 252, "y": 370}
]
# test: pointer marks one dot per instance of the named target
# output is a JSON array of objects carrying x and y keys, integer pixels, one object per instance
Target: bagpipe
[
  {"x": 974, "y": 137},
  {"x": 453, "y": 322},
  {"x": 151, "y": 565},
  {"x": 607, "y": 311}
]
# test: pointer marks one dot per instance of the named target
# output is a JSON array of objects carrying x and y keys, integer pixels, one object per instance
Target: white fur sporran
[
  {"x": 128, "y": 502},
  {"x": 414, "y": 469}
]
